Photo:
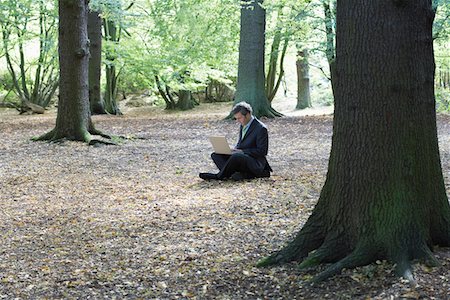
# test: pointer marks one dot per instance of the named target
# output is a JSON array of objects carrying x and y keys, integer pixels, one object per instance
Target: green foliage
[
  {"x": 188, "y": 43},
  {"x": 29, "y": 45},
  {"x": 441, "y": 28},
  {"x": 443, "y": 99},
  {"x": 441, "y": 35},
  {"x": 184, "y": 43}
]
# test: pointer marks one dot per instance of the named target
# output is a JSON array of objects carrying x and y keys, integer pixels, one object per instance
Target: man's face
[{"x": 241, "y": 119}]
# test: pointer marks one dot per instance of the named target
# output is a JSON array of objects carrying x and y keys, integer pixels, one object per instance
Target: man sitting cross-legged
[{"x": 248, "y": 158}]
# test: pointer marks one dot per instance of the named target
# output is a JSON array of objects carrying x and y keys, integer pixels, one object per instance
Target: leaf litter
[{"x": 134, "y": 221}]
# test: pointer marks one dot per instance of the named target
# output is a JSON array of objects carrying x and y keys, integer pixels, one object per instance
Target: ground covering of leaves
[{"x": 134, "y": 221}]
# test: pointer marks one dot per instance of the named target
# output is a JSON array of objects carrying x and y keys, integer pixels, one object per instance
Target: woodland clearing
[{"x": 134, "y": 221}]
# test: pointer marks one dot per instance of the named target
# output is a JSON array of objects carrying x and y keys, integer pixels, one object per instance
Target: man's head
[{"x": 242, "y": 112}]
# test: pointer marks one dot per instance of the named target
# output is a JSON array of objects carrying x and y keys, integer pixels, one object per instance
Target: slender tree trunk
[
  {"x": 384, "y": 195},
  {"x": 273, "y": 58},
  {"x": 110, "y": 97},
  {"x": 23, "y": 75},
  {"x": 303, "y": 94},
  {"x": 170, "y": 104},
  {"x": 272, "y": 94},
  {"x": 6, "y": 34},
  {"x": 95, "y": 62},
  {"x": 330, "y": 20},
  {"x": 251, "y": 76},
  {"x": 37, "y": 78}
]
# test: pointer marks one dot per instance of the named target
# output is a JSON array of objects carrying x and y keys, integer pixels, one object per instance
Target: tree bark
[
  {"x": 273, "y": 58},
  {"x": 185, "y": 100},
  {"x": 95, "y": 62},
  {"x": 251, "y": 76},
  {"x": 110, "y": 98},
  {"x": 303, "y": 94},
  {"x": 384, "y": 195},
  {"x": 330, "y": 21},
  {"x": 73, "y": 121}
]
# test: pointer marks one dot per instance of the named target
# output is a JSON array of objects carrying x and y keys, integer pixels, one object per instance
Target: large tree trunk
[
  {"x": 251, "y": 76},
  {"x": 95, "y": 62},
  {"x": 384, "y": 195},
  {"x": 185, "y": 101},
  {"x": 73, "y": 121},
  {"x": 303, "y": 94}
]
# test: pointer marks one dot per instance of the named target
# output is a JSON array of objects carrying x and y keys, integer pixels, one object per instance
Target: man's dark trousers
[{"x": 237, "y": 162}]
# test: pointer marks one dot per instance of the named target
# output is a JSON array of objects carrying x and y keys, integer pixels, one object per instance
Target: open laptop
[{"x": 220, "y": 145}]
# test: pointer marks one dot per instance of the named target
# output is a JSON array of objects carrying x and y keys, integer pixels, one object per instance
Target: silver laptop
[{"x": 220, "y": 145}]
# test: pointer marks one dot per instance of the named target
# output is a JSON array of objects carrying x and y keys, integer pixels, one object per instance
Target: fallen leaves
[{"x": 135, "y": 221}]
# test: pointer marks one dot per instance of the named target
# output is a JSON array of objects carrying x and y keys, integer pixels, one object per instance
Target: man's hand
[{"x": 235, "y": 150}]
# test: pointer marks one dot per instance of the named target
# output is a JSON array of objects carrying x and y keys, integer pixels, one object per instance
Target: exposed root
[
  {"x": 275, "y": 113},
  {"x": 404, "y": 270},
  {"x": 94, "y": 131},
  {"x": 291, "y": 252},
  {"x": 308, "y": 239},
  {"x": 95, "y": 142},
  {"x": 440, "y": 227},
  {"x": 45, "y": 137},
  {"x": 268, "y": 261},
  {"x": 54, "y": 136},
  {"x": 428, "y": 258},
  {"x": 313, "y": 259},
  {"x": 361, "y": 256},
  {"x": 330, "y": 251}
]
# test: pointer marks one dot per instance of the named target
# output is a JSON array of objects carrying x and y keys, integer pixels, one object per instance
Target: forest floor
[{"x": 134, "y": 221}]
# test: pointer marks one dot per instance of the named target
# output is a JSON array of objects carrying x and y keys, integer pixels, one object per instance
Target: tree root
[
  {"x": 427, "y": 257},
  {"x": 54, "y": 136},
  {"x": 440, "y": 228},
  {"x": 361, "y": 256},
  {"x": 330, "y": 251},
  {"x": 403, "y": 260},
  {"x": 275, "y": 113},
  {"x": 292, "y": 252},
  {"x": 95, "y": 142},
  {"x": 86, "y": 137},
  {"x": 45, "y": 137},
  {"x": 308, "y": 239},
  {"x": 94, "y": 131},
  {"x": 404, "y": 269}
]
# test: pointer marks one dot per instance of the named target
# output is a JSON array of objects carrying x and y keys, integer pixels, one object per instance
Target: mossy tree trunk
[
  {"x": 384, "y": 195},
  {"x": 73, "y": 121},
  {"x": 303, "y": 92},
  {"x": 251, "y": 76},
  {"x": 95, "y": 62}
]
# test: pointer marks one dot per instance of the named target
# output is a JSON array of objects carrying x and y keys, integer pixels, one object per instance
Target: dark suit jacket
[{"x": 256, "y": 145}]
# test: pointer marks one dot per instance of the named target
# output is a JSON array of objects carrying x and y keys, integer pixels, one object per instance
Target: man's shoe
[
  {"x": 264, "y": 174},
  {"x": 208, "y": 176}
]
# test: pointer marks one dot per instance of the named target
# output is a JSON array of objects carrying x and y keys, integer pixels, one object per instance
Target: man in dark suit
[{"x": 248, "y": 158}]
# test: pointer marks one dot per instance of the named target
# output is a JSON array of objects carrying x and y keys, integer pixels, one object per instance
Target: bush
[{"x": 442, "y": 99}]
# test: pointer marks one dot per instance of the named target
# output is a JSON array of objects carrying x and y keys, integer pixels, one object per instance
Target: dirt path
[{"x": 135, "y": 222}]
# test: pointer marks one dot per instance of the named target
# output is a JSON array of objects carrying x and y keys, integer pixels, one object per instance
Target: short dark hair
[{"x": 243, "y": 107}]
